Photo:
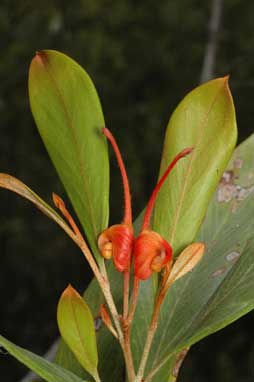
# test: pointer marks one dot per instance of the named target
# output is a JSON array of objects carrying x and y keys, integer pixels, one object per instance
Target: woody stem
[
  {"x": 150, "y": 336},
  {"x": 126, "y": 291},
  {"x": 101, "y": 275},
  {"x": 128, "y": 355},
  {"x": 102, "y": 279},
  {"x": 134, "y": 300},
  {"x": 127, "y": 319},
  {"x": 105, "y": 287},
  {"x": 126, "y": 326}
]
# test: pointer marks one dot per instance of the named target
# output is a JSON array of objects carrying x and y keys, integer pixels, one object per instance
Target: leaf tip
[
  {"x": 186, "y": 262},
  {"x": 40, "y": 57},
  {"x": 222, "y": 82},
  {"x": 58, "y": 202},
  {"x": 225, "y": 82},
  {"x": 200, "y": 247},
  {"x": 69, "y": 291}
]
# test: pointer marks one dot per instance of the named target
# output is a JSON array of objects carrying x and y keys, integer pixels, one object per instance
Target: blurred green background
[{"x": 143, "y": 56}]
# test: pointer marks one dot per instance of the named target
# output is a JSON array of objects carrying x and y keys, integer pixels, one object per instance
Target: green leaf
[
  {"x": 68, "y": 114},
  {"x": 220, "y": 288},
  {"x": 45, "y": 369},
  {"x": 110, "y": 368},
  {"x": 76, "y": 326},
  {"x": 170, "y": 370},
  {"x": 205, "y": 120}
]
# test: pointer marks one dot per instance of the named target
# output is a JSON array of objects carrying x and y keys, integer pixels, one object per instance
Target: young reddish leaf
[
  {"x": 68, "y": 114},
  {"x": 76, "y": 326}
]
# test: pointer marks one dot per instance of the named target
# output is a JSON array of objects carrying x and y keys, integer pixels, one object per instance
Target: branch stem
[
  {"x": 103, "y": 281},
  {"x": 150, "y": 336},
  {"x": 128, "y": 355},
  {"x": 133, "y": 300},
  {"x": 126, "y": 292},
  {"x": 122, "y": 333},
  {"x": 105, "y": 287}
]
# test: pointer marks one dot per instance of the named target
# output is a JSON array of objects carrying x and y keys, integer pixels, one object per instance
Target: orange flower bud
[
  {"x": 117, "y": 242},
  {"x": 151, "y": 253}
]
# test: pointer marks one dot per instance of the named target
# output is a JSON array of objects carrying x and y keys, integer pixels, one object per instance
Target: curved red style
[
  {"x": 151, "y": 251},
  {"x": 117, "y": 240}
]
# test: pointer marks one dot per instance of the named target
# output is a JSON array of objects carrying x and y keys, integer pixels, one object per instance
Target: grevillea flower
[
  {"x": 117, "y": 240},
  {"x": 151, "y": 251}
]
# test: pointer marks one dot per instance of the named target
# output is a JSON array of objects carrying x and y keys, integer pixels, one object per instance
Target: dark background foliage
[{"x": 143, "y": 56}]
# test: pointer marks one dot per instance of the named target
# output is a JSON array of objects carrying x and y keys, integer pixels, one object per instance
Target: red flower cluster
[{"x": 149, "y": 251}]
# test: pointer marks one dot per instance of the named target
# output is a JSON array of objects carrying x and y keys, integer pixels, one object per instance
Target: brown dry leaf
[
  {"x": 186, "y": 261},
  {"x": 11, "y": 183}
]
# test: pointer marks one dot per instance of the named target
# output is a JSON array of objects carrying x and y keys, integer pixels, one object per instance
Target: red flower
[
  {"x": 151, "y": 251},
  {"x": 117, "y": 242}
]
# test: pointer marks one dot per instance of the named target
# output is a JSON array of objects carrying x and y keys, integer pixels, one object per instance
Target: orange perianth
[
  {"x": 127, "y": 197},
  {"x": 117, "y": 242},
  {"x": 151, "y": 253},
  {"x": 151, "y": 202}
]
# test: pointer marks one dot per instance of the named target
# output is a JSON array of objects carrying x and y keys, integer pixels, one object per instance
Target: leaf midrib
[
  {"x": 79, "y": 334},
  {"x": 201, "y": 127},
  {"x": 72, "y": 129}
]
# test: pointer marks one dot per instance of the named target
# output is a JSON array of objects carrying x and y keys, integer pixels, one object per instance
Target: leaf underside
[
  {"x": 50, "y": 372},
  {"x": 220, "y": 289}
]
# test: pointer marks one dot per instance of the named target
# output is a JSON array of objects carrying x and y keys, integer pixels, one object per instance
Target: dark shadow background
[{"x": 143, "y": 56}]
